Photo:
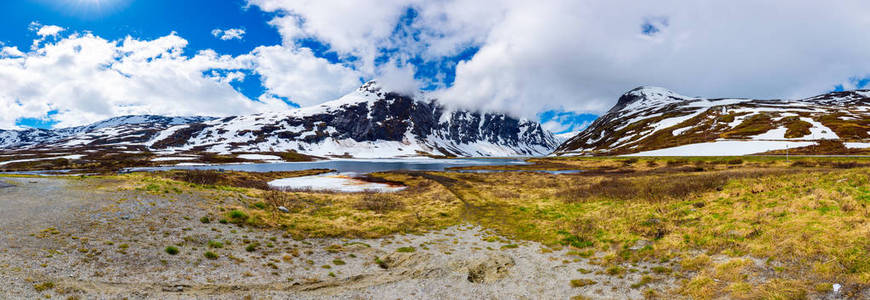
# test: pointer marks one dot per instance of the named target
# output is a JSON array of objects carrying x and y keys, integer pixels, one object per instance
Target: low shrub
[{"x": 378, "y": 203}]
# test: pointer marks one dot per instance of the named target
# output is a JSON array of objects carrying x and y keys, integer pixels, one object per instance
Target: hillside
[{"x": 657, "y": 121}]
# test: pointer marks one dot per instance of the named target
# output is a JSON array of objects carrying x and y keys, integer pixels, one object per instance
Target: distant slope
[
  {"x": 122, "y": 130},
  {"x": 369, "y": 122},
  {"x": 656, "y": 121}
]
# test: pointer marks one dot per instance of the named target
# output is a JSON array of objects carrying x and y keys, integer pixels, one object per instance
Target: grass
[
  {"x": 237, "y": 216},
  {"x": 40, "y": 287},
  {"x": 215, "y": 244},
  {"x": 807, "y": 217},
  {"x": 576, "y": 283},
  {"x": 378, "y": 203},
  {"x": 406, "y": 249},
  {"x": 213, "y": 178},
  {"x": 171, "y": 250}
]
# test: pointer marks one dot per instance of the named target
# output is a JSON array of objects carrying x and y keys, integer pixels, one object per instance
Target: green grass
[
  {"x": 406, "y": 249},
  {"x": 210, "y": 255},
  {"x": 215, "y": 244},
  {"x": 171, "y": 250},
  {"x": 802, "y": 215}
]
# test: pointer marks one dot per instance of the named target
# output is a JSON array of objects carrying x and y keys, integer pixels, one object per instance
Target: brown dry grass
[{"x": 749, "y": 227}]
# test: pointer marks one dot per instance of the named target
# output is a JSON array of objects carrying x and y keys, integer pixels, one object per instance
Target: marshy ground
[{"x": 749, "y": 228}]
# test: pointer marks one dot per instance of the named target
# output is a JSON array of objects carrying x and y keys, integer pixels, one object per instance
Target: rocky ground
[{"x": 73, "y": 238}]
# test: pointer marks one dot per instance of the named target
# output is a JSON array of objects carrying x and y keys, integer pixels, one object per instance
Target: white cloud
[
  {"x": 44, "y": 32},
  {"x": 229, "y": 34},
  {"x": 87, "y": 78},
  {"x": 49, "y": 30},
  {"x": 300, "y": 76},
  {"x": 581, "y": 55}
]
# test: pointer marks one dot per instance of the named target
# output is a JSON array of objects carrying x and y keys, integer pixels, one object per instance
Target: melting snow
[
  {"x": 258, "y": 157},
  {"x": 773, "y": 134},
  {"x": 857, "y": 145},
  {"x": 173, "y": 158},
  {"x": 723, "y": 148},
  {"x": 338, "y": 182},
  {"x": 819, "y": 131}
]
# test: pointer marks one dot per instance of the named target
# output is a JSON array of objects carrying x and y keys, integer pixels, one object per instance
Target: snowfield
[
  {"x": 258, "y": 157},
  {"x": 647, "y": 118},
  {"x": 723, "y": 148},
  {"x": 336, "y": 182},
  {"x": 173, "y": 158}
]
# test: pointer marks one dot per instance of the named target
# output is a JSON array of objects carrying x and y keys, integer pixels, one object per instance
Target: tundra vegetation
[{"x": 732, "y": 227}]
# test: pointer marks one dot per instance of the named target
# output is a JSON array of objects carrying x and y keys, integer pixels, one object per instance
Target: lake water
[{"x": 361, "y": 166}]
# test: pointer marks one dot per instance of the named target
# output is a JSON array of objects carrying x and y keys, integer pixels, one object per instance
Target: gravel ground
[{"x": 64, "y": 238}]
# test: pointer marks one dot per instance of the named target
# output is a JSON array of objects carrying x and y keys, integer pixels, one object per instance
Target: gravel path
[{"x": 65, "y": 237}]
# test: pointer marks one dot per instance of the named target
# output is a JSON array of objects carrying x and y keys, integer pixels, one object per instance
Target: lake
[{"x": 361, "y": 166}]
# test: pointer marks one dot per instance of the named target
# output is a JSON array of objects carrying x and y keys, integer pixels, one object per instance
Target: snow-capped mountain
[
  {"x": 118, "y": 130},
  {"x": 656, "y": 121},
  {"x": 369, "y": 122}
]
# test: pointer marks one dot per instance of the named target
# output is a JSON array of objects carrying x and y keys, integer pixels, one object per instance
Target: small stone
[
  {"x": 836, "y": 287},
  {"x": 640, "y": 244},
  {"x": 490, "y": 269},
  {"x": 283, "y": 209}
]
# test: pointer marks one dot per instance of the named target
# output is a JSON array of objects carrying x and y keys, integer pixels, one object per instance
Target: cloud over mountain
[{"x": 581, "y": 55}]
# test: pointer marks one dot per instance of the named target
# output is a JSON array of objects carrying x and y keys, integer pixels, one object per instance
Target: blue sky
[
  {"x": 194, "y": 20},
  {"x": 72, "y": 62}
]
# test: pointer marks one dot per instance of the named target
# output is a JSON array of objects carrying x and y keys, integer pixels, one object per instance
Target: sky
[{"x": 563, "y": 62}]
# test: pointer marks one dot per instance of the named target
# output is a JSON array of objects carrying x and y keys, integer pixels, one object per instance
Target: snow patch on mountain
[
  {"x": 651, "y": 118},
  {"x": 368, "y": 123}
]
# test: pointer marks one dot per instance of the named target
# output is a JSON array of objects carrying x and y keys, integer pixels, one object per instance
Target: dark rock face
[
  {"x": 386, "y": 121},
  {"x": 377, "y": 117}
]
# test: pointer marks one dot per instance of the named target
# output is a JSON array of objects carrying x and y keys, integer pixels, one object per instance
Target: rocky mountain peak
[{"x": 647, "y": 96}]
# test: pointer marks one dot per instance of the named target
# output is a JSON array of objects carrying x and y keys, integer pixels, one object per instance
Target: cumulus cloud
[
  {"x": 518, "y": 56},
  {"x": 301, "y": 77},
  {"x": 44, "y": 32},
  {"x": 49, "y": 30},
  {"x": 86, "y": 78},
  {"x": 581, "y": 55},
  {"x": 229, "y": 34}
]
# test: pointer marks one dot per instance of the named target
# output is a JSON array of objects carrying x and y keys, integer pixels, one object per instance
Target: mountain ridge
[
  {"x": 647, "y": 119},
  {"x": 369, "y": 122}
]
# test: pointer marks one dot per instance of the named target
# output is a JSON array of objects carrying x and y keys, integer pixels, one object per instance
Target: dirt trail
[{"x": 65, "y": 237}]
